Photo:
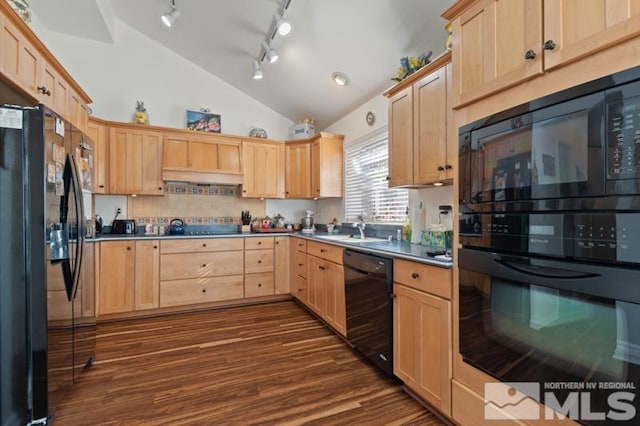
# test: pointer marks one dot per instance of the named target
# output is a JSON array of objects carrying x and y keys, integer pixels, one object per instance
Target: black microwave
[{"x": 578, "y": 149}]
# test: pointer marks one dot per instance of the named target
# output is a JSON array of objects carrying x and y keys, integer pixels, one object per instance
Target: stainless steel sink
[{"x": 350, "y": 239}]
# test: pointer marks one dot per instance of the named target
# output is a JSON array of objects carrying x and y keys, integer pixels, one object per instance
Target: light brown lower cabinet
[
  {"x": 147, "y": 275},
  {"x": 117, "y": 271},
  {"x": 325, "y": 294},
  {"x": 422, "y": 345},
  {"x": 281, "y": 266}
]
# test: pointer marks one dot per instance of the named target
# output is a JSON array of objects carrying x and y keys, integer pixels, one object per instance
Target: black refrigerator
[{"x": 47, "y": 321}]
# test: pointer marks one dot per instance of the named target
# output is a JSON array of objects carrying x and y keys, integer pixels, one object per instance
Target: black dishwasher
[{"x": 368, "y": 284}]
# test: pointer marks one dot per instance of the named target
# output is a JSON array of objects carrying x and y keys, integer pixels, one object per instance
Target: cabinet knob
[
  {"x": 530, "y": 54},
  {"x": 549, "y": 45},
  {"x": 204, "y": 244},
  {"x": 204, "y": 290},
  {"x": 415, "y": 275},
  {"x": 159, "y": 188},
  {"x": 300, "y": 264},
  {"x": 43, "y": 90},
  {"x": 322, "y": 268},
  {"x": 128, "y": 248},
  {"x": 204, "y": 265},
  {"x": 244, "y": 191},
  {"x": 440, "y": 168},
  {"x": 259, "y": 243},
  {"x": 277, "y": 242},
  {"x": 259, "y": 261},
  {"x": 155, "y": 247},
  {"x": 392, "y": 296},
  {"x": 323, "y": 251},
  {"x": 100, "y": 186},
  {"x": 259, "y": 285},
  {"x": 448, "y": 166},
  {"x": 388, "y": 178}
]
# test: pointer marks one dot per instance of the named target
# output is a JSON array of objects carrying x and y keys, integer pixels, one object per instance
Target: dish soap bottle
[{"x": 406, "y": 227}]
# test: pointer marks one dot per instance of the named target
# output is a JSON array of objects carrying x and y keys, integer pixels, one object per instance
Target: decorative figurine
[{"x": 141, "y": 116}]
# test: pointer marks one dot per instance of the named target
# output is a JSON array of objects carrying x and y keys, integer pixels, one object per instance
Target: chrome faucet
[{"x": 360, "y": 225}]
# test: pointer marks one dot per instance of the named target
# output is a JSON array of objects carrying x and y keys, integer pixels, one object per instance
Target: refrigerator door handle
[{"x": 80, "y": 231}]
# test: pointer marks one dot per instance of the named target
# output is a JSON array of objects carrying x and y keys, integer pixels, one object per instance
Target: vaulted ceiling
[{"x": 362, "y": 38}]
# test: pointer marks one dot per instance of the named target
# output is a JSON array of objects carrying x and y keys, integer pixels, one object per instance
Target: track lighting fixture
[
  {"x": 271, "y": 53},
  {"x": 257, "y": 71},
  {"x": 170, "y": 17},
  {"x": 283, "y": 26}
]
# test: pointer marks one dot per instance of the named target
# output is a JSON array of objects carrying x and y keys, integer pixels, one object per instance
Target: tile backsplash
[{"x": 195, "y": 204}]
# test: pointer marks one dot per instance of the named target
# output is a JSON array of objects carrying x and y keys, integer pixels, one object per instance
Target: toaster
[{"x": 123, "y": 226}]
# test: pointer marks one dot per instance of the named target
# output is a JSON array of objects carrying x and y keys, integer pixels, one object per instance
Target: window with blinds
[{"x": 366, "y": 185}]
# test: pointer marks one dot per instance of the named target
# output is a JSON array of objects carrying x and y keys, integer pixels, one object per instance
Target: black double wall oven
[{"x": 549, "y": 283}]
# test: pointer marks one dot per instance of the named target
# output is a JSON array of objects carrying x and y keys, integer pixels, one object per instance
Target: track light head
[
  {"x": 271, "y": 53},
  {"x": 257, "y": 71},
  {"x": 283, "y": 26},
  {"x": 170, "y": 17}
]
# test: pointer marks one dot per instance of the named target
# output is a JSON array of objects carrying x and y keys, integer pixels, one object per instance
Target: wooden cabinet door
[
  {"x": 151, "y": 162},
  {"x": 135, "y": 162},
  {"x": 117, "y": 269},
  {"x": 577, "y": 28},
  {"x": 230, "y": 157},
  {"x": 422, "y": 345},
  {"x": 401, "y": 138},
  {"x": 78, "y": 112},
  {"x": 100, "y": 137},
  {"x": 315, "y": 278},
  {"x": 147, "y": 274},
  {"x": 326, "y": 167},
  {"x": 282, "y": 266},
  {"x": 430, "y": 128},
  {"x": 497, "y": 44},
  {"x": 335, "y": 305},
  {"x": 298, "y": 170},
  {"x": 19, "y": 59},
  {"x": 263, "y": 170},
  {"x": 299, "y": 288}
]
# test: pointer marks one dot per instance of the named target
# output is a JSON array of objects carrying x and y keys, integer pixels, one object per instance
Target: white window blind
[{"x": 366, "y": 185}]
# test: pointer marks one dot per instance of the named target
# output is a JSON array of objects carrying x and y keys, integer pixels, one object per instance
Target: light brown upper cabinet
[
  {"x": 99, "y": 133},
  {"x": 29, "y": 66},
  {"x": 421, "y": 150},
  {"x": 298, "y": 170},
  {"x": 498, "y": 44},
  {"x": 315, "y": 167},
  {"x": 135, "y": 161},
  {"x": 202, "y": 158},
  {"x": 263, "y": 169}
]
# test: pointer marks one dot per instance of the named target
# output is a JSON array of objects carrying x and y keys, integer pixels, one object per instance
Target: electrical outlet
[{"x": 118, "y": 210}]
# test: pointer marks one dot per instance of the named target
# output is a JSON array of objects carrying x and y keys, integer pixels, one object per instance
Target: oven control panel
[{"x": 607, "y": 237}]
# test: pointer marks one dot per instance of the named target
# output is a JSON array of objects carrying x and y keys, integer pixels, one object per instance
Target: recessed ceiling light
[{"x": 340, "y": 78}]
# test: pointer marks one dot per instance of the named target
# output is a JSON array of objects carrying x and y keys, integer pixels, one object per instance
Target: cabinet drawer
[
  {"x": 201, "y": 290},
  {"x": 195, "y": 265},
  {"x": 299, "y": 263},
  {"x": 201, "y": 244},
  {"x": 300, "y": 244},
  {"x": 325, "y": 251},
  {"x": 427, "y": 278},
  {"x": 256, "y": 285},
  {"x": 258, "y": 261},
  {"x": 255, "y": 243}
]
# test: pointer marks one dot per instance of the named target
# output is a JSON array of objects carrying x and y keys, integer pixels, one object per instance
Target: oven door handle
[{"x": 537, "y": 271}]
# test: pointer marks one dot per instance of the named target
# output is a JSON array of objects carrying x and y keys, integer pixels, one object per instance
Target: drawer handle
[
  {"x": 128, "y": 248},
  {"x": 549, "y": 45},
  {"x": 259, "y": 261},
  {"x": 204, "y": 244},
  {"x": 204, "y": 290},
  {"x": 300, "y": 264},
  {"x": 155, "y": 247},
  {"x": 259, "y": 285},
  {"x": 259, "y": 243},
  {"x": 277, "y": 242},
  {"x": 322, "y": 268},
  {"x": 323, "y": 251},
  {"x": 300, "y": 244},
  {"x": 530, "y": 54},
  {"x": 100, "y": 186},
  {"x": 204, "y": 265},
  {"x": 415, "y": 275}
]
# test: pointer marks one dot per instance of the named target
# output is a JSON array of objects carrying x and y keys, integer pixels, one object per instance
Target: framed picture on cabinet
[{"x": 204, "y": 121}]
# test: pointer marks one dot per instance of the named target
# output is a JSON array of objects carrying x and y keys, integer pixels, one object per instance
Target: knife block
[{"x": 245, "y": 229}]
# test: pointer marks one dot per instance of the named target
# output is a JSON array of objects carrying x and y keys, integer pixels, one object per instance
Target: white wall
[{"x": 137, "y": 68}]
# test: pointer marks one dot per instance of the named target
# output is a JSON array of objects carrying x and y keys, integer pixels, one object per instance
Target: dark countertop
[{"x": 394, "y": 249}]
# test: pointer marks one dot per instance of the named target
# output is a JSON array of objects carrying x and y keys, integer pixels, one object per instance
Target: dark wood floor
[{"x": 264, "y": 364}]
